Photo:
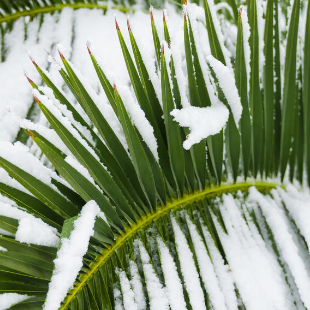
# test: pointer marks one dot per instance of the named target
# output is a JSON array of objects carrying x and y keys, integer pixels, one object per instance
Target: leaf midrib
[
  {"x": 161, "y": 211},
  {"x": 53, "y": 8}
]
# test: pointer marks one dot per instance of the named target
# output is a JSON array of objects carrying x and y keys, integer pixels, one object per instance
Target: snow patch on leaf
[
  {"x": 227, "y": 83},
  {"x": 202, "y": 122},
  {"x": 7, "y": 300},
  {"x": 35, "y": 231},
  {"x": 69, "y": 259}
]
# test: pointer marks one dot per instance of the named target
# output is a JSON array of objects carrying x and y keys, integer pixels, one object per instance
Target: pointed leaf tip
[
  {"x": 88, "y": 45},
  {"x": 162, "y": 50},
  {"x": 114, "y": 87},
  {"x": 36, "y": 99},
  {"x": 50, "y": 58},
  {"x": 61, "y": 54},
  {"x": 128, "y": 24},
  {"x": 48, "y": 53},
  {"x": 32, "y": 60},
  {"x": 151, "y": 13},
  {"x": 164, "y": 17},
  {"x": 169, "y": 45},
  {"x": 116, "y": 24},
  {"x": 28, "y": 78}
]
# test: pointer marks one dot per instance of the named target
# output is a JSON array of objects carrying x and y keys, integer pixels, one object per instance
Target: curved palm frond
[{"x": 167, "y": 226}]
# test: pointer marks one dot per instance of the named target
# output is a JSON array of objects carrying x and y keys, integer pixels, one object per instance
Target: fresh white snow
[
  {"x": 202, "y": 122},
  {"x": 227, "y": 83},
  {"x": 252, "y": 264},
  {"x": 69, "y": 259},
  {"x": 137, "y": 286},
  {"x": 35, "y": 231},
  {"x": 189, "y": 271},
  {"x": 128, "y": 294},
  {"x": 7, "y": 300},
  {"x": 172, "y": 280},
  {"x": 207, "y": 271},
  {"x": 156, "y": 292},
  {"x": 289, "y": 249}
]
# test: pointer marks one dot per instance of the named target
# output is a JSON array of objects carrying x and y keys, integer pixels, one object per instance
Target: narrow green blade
[
  {"x": 41, "y": 190},
  {"x": 306, "y": 93},
  {"x": 106, "y": 85},
  {"x": 289, "y": 89},
  {"x": 255, "y": 99},
  {"x": 215, "y": 143},
  {"x": 269, "y": 88},
  {"x": 175, "y": 149},
  {"x": 197, "y": 93},
  {"x": 155, "y": 37},
  {"x": 242, "y": 86},
  {"x": 139, "y": 90},
  {"x": 139, "y": 158},
  {"x": 278, "y": 90},
  {"x": 86, "y": 158},
  {"x": 8, "y": 224},
  {"x": 215, "y": 46},
  {"x": 99, "y": 121},
  {"x": 32, "y": 205},
  {"x": 157, "y": 110},
  {"x": 79, "y": 183}
]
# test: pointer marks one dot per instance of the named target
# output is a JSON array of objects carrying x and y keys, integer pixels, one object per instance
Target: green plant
[{"x": 160, "y": 211}]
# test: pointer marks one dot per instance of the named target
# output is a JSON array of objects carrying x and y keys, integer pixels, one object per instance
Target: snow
[
  {"x": 202, "y": 122},
  {"x": 35, "y": 37},
  {"x": 138, "y": 118},
  {"x": 227, "y": 83},
  {"x": 172, "y": 280},
  {"x": 81, "y": 169},
  {"x": 200, "y": 12},
  {"x": 225, "y": 279},
  {"x": 206, "y": 269},
  {"x": 30, "y": 229},
  {"x": 49, "y": 104},
  {"x": 72, "y": 27},
  {"x": 67, "y": 113},
  {"x": 102, "y": 104},
  {"x": 157, "y": 294},
  {"x": 49, "y": 134},
  {"x": 35, "y": 231},
  {"x": 7, "y": 300},
  {"x": 224, "y": 5},
  {"x": 18, "y": 155},
  {"x": 285, "y": 241},
  {"x": 7, "y": 179},
  {"x": 246, "y": 42},
  {"x": 253, "y": 266},
  {"x": 146, "y": 49},
  {"x": 2, "y": 249},
  {"x": 189, "y": 271},
  {"x": 299, "y": 209},
  {"x": 179, "y": 73},
  {"x": 137, "y": 286},
  {"x": 12, "y": 211},
  {"x": 128, "y": 294},
  {"x": 69, "y": 259},
  {"x": 261, "y": 30},
  {"x": 255, "y": 270}
]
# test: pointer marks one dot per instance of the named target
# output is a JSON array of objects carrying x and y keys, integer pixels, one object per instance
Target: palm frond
[{"x": 172, "y": 213}]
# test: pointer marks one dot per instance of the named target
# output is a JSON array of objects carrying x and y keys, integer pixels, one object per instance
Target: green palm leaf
[{"x": 144, "y": 223}]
